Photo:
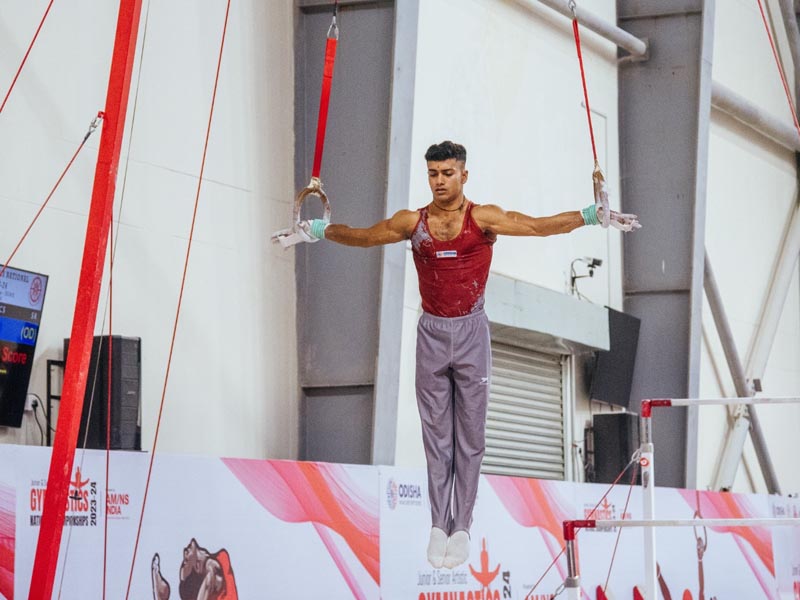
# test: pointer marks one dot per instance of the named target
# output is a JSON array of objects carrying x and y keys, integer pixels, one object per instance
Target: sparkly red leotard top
[{"x": 452, "y": 274}]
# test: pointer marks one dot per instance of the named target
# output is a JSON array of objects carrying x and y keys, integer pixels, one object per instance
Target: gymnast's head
[
  {"x": 447, "y": 171},
  {"x": 447, "y": 150}
]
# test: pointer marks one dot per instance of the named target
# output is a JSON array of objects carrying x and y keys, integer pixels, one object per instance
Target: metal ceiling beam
[
  {"x": 778, "y": 130},
  {"x": 635, "y": 46},
  {"x": 743, "y": 386},
  {"x": 724, "y": 99},
  {"x": 775, "y": 300}
]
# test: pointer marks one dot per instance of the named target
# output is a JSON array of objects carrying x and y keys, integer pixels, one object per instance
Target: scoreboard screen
[{"x": 21, "y": 301}]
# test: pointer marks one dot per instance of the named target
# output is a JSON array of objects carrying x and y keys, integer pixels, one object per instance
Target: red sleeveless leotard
[{"x": 452, "y": 274}]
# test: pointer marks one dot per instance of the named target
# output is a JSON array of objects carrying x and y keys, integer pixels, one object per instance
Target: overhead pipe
[
  {"x": 747, "y": 113},
  {"x": 722, "y": 98},
  {"x": 635, "y": 46},
  {"x": 743, "y": 387}
]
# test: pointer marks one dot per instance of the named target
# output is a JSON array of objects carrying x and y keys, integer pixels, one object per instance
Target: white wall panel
[{"x": 232, "y": 389}]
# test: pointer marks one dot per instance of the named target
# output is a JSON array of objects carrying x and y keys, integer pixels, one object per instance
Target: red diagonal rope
[
  {"x": 583, "y": 81},
  {"x": 780, "y": 67},
  {"x": 50, "y": 195},
  {"x": 180, "y": 299},
  {"x": 589, "y": 516},
  {"x": 619, "y": 531},
  {"x": 24, "y": 58}
]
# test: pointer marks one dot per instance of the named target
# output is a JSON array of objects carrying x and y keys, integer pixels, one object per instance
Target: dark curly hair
[{"x": 446, "y": 150}]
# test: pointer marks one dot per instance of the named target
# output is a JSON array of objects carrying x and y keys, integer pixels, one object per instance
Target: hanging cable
[
  {"x": 634, "y": 460},
  {"x": 64, "y": 556},
  {"x": 114, "y": 240},
  {"x": 598, "y": 179},
  {"x": 180, "y": 300},
  {"x": 290, "y": 237},
  {"x": 132, "y": 128},
  {"x": 780, "y": 66},
  {"x": 619, "y": 530},
  {"x": 92, "y": 127},
  {"x": 108, "y": 390},
  {"x": 25, "y": 58},
  {"x": 94, "y": 124}
]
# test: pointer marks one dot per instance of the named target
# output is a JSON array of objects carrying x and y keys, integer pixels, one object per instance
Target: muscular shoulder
[
  {"x": 486, "y": 215},
  {"x": 404, "y": 221}
]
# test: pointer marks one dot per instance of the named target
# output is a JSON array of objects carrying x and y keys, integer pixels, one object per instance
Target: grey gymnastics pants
[{"x": 452, "y": 380}]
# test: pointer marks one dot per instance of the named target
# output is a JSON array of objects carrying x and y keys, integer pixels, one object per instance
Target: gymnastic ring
[
  {"x": 601, "y": 195},
  {"x": 314, "y": 188}
]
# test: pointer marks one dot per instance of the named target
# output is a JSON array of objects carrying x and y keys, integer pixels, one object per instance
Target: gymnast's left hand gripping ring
[
  {"x": 601, "y": 196},
  {"x": 290, "y": 237}
]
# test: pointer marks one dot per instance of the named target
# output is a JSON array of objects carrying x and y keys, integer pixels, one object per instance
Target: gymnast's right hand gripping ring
[{"x": 290, "y": 237}]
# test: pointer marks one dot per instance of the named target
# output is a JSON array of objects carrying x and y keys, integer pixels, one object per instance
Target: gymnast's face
[{"x": 446, "y": 179}]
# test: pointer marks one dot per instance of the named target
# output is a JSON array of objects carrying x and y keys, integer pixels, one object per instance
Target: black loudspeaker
[
  {"x": 612, "y": 375},
  {"x": 616, "y": 438},
  {"x": 126, "y": 376}
]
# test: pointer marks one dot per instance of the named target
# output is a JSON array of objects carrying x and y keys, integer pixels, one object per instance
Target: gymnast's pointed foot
[
  {"x": 457, "y": 551},
  {"x": 436, "y": 547}
]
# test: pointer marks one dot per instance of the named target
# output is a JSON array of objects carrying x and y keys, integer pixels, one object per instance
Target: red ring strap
[
  {"x": 324, "y": 100},
  {"x": 583, "y": 81}
]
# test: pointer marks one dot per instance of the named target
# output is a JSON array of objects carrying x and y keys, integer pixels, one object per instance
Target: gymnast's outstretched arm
[
  {"x": 494, "y": 219},
  {"x": 395, "y": 229}
]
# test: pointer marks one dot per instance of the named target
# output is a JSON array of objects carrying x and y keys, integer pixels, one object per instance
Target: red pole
[{"x": 94, "y": 253}]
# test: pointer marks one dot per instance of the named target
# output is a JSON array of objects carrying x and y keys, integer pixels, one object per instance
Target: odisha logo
[
  {"x": 391, "y": 494},
  {"x": 410, "y": 492}
]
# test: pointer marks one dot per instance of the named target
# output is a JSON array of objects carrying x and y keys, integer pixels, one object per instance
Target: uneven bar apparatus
[{"x": 572, "y": 582}]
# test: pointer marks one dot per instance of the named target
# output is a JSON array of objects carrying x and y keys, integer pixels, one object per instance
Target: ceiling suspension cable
[
  {"x": 180, "y": 301},
  {"x": 634, "y": 473},
  {"x": 634, "y": 460},
  {"x": 25, "y": 58},
  {"x": 779, "y": 65},
  {"x": 93, "y": 125},
  {"x": 598, "y": 179}
]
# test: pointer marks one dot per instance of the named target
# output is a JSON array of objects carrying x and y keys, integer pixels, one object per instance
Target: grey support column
[
  {"x": 338, "y": 288},
  {"x": 393, "y": 264},
  {"x": 664, "y": 108}
]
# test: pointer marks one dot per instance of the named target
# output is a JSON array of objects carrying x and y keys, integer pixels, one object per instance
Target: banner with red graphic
[
  {"x": 225, "y": 529},
  {"x": 517, "y": 534},
  {"x": 215, "y": 529},
  {"x": 786, "y": 543}
]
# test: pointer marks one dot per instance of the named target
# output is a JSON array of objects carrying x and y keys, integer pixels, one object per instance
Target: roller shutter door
[{"x": 525, "y": 423}]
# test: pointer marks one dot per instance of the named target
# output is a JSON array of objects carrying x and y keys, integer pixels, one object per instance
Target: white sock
[
  {"x": 457, "y": 550},
  {"x": 436, "y": 547}
]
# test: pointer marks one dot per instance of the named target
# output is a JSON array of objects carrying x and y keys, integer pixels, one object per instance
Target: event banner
[
  {"x": 224, "y": 529},
  {"x": 213, "y": 529},
  {"x": 517, "y": 543}
]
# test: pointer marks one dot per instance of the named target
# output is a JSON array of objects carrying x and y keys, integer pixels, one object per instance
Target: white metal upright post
[{"x": 649, "y": 501}]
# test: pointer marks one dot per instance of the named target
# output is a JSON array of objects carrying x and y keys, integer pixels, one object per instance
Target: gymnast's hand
[
  {"x": 312, "y": 230},
  {"x": 622, "y": 221},
  {"x": 306, "y": 231}
]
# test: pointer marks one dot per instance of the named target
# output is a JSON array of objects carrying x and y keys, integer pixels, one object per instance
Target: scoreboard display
[{"x": 21, "y": 301}]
